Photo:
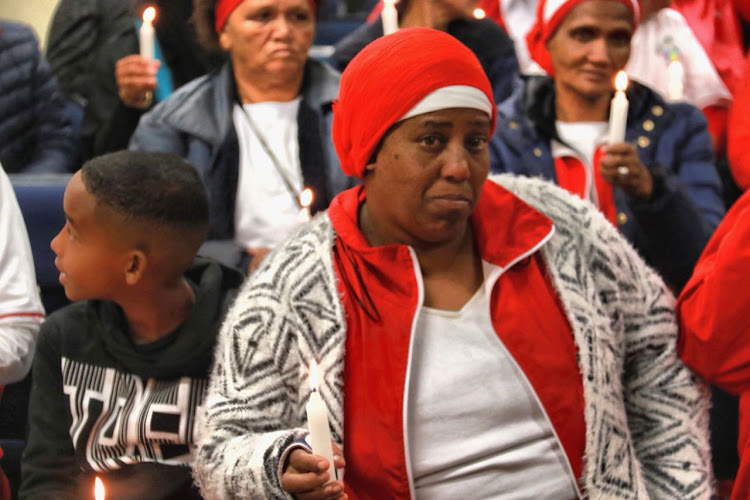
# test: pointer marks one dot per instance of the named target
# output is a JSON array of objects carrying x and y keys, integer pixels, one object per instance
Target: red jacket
[
  {"x": 387, "y": 281},
  {"x": 715, "y": 324}
]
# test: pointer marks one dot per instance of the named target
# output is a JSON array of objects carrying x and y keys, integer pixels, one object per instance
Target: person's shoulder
[
  {"x": 322, "y": 82},
  {"x": 69, "y": 320},
  {"x": 16, "y": 31},
  {"x": 349, "y": 46},
  {"x": 566, "y": 210}
]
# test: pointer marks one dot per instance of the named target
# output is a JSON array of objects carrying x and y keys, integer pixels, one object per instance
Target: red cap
[
  {"x": 225, "y": 7},
  {"x": 549, "y": 15},
  {"x": 388, "y": 78}
]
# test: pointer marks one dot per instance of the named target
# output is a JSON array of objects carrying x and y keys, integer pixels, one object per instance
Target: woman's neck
[
  {"x": 262, "y": 88},
  {"x": 424, "y": 13},
  {"x": 573, "y": 107}
]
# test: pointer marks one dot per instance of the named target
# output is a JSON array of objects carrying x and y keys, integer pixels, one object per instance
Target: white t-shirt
[
  {"x": 664, "y": 32},
  {"x": 21, "y": 311},
  {"x": 480, "y": 432},
  {"x": 584, "y": 137},
  {"x": 266, "y": 212}
]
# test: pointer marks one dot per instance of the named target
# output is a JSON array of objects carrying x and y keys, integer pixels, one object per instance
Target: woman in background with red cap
[
  {"x": 659, "y": 187},
  {"x": 258, "y": 130},
  {"x": 491, "y": 338}
]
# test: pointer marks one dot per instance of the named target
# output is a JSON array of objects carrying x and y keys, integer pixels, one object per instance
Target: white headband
[{"x": 454, "y": 96}]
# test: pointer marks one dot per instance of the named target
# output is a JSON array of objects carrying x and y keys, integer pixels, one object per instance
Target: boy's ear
[{"x": 136, "y": 266}]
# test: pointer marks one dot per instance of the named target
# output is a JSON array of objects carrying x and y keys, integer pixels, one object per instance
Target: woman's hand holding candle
[
  {"x": 306, "y": 476},
  {"x": 634, "y": 178},
  {"x": 136, "y": 79}
]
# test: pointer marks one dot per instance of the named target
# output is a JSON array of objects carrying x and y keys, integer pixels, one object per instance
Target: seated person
[
  {"x": 497, "y": 337},
  {"x": 119, "y": 375},
  {"x": 36, "y": 135},
  {"x": 489, "y": 42},
  {"x": 258, "y": 130},
  {"x": 21, "y": 310},
  {"x": 659, "y": 186},
  {"x": 663, "y": 37},
  {"x": 714, "y": 322},
  {"x": 93, "y": 48}
]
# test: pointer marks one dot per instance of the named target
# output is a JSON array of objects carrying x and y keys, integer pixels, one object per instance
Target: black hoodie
[{"x": 104, "y": 406}]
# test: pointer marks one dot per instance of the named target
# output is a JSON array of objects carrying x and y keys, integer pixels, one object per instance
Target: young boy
[{"x": 118, "y": 376}]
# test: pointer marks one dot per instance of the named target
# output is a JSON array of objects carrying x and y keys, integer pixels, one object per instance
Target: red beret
[
  {"x": 225, "y": 7},
  {"x": 388, "y": 78}
]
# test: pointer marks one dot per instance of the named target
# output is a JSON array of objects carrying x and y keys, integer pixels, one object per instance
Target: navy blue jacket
[
  {"x": 36, "y": 134},
  {"x": 672, "y": 140},
  {"x": 196, "y": 123}
]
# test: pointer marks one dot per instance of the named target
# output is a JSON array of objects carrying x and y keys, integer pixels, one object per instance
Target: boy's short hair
[{"x": 160, "y": 189}]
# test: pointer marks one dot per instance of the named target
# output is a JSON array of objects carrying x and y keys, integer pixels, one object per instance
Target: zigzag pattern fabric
[{"x": 646, "y": 414}]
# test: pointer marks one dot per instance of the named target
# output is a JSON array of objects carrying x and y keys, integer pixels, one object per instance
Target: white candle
[
  {"x": 389, "y": 15},
  {"x": 618, "y": 110},
  {"x": 317, "y": 423},
  {"x": 98, "y": 489},
  {"x": 675, "y": 73},
  {"x": 146, "y": 33},
  {"x": 305, "y": 200},
  {"x": 479, "y": 13}
]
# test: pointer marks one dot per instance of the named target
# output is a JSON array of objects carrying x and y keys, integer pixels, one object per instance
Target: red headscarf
[
  {"x": 388, "y": 78},
  {"x": 549, "y": 15},
  {"x": 225, "y": 7}
]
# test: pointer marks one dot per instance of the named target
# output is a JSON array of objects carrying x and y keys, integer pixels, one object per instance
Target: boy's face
[{"x": 92, "y": 264}]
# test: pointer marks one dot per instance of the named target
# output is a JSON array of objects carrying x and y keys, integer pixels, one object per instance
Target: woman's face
[
  {"x": 427, "y": 177},
  {"x": 269, "y": 36},
  {"x": 590, "y": 46}
]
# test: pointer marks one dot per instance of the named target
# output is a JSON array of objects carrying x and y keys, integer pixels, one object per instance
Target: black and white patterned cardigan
[{"x": 646, "y": 414}]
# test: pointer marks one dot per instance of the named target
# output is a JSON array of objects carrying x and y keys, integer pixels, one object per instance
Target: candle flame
[
  {"x": 314, "y": 375},
  {"x": 621, "y": 81},
  {"x": 306, "y": 198},
  {"x": 98, "y": 489},
  {"x": 479, "y": 13},
  {"x": 389, "y": 2},
  {"x": 149, "y": 15}
]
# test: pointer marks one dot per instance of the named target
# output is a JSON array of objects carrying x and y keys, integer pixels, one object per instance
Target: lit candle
[
  {"x": 317, "y": 423},
  {"x": 98, "y": 489},
  {"x": 305, "y": 200},
  {"x": 389, "y": 15},
  {"x": 618, "y": 110},
  {"x": 479, "y": 13},
  {"x": 675, "y": 73},
  {"x": 146, "y": 33}
]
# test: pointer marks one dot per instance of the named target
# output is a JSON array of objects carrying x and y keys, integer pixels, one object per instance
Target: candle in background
[
  {"x": 618, "y": 110},
  {"x": 479, "y": 13},
  {"x": 675, "y": 74},
  {"x": 98, "y": 489},
  {"x": 389, "y": 16},
  {"x": 317, "y": 423},
  {"x": 146, "y": 33},
  {"x": 305, "y": 200}
]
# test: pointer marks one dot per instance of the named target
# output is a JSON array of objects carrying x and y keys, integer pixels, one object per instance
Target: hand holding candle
[
  {"x": 317, "y": 422},
  {"x": 389, "y": 16},
  {"x": 146, "y": 33},
  {"x": 618, "y": 111}
]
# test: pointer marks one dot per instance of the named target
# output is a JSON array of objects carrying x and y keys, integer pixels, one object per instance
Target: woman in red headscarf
[
  {"x": 258, "y": 130},
  {"x": 475, "y": 337},
  {"x": 659, "y": 186}
]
